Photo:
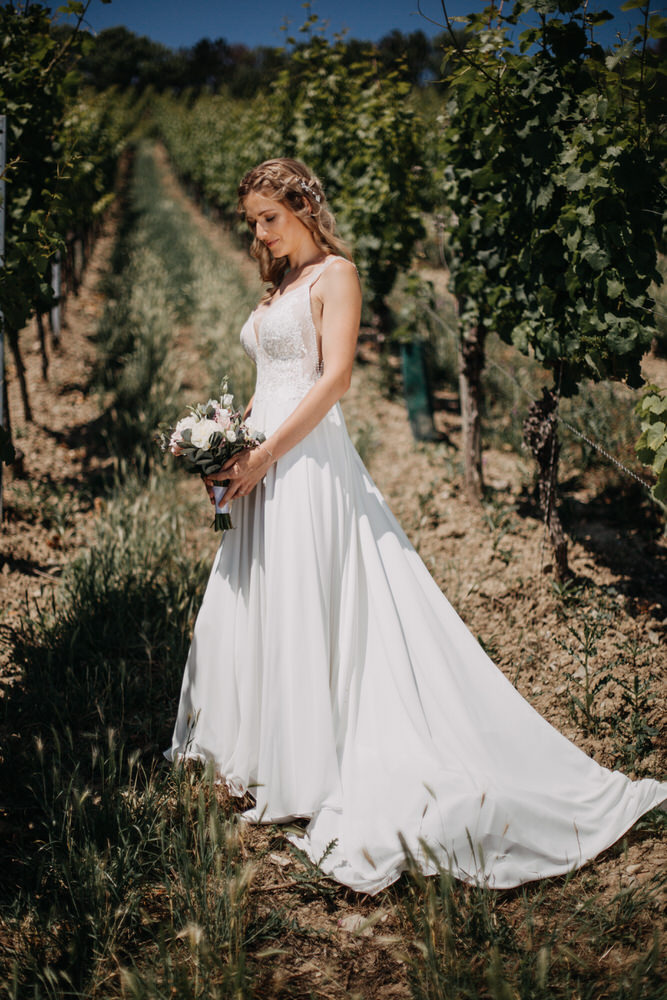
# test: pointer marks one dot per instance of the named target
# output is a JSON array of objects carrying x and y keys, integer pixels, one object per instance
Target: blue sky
[{"x": 258, "y": 22}]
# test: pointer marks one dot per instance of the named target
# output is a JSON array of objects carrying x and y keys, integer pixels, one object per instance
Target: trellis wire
[
  {"x": 573, "y": 430},
  {"x": 565, "y": 423}
]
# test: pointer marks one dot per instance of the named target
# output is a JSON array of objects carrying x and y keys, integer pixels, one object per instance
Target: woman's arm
[{"x": 340, "y": 294}]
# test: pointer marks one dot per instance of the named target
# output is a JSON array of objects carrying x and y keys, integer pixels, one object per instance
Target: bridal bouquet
[{"x": 206, "y": 438}]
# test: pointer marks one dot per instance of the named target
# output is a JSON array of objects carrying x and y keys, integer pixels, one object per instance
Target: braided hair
[{"x": 292, "y": 183}]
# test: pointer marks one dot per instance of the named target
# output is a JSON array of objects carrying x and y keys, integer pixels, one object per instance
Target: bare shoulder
[
  {"x": 339, "y": 278},
  {"x": 342, "y": 269}
]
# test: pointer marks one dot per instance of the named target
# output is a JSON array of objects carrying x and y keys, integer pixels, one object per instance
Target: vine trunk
[
  {"x": 540, "y": 433},
  {"x": 13, "y": 337},
  {"x": 471, "y": 365}
]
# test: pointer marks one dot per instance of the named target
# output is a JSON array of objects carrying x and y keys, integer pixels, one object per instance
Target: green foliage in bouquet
[
  {"x": 652, "y": 444},
  {"x": 209, "y": 459},
  {"x": 211, "y": 434}
]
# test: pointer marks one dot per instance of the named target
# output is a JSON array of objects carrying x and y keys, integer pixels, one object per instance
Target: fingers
[
  {"x": 232, "y": 463},
  {"x": 216, "y": 478},
  {"x": 238, "y": 489},
  {"x": 241, "y": 478}
]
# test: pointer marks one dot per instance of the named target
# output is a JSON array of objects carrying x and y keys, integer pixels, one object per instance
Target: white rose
[
  {"x": 227, "y": 400},
  {"x": 231, "y": 436},
  {"x": 187, "y": 423},
  {"x": 202, "y": 431}
]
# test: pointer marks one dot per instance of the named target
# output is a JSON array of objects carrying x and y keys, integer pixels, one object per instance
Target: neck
[{"x": 305, "y": 256}]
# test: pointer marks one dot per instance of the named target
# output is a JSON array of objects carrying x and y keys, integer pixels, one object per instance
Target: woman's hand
[{"x": 242, "y": 471}]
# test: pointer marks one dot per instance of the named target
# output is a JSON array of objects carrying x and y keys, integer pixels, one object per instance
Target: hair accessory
[{"x": 309, "y": 190}]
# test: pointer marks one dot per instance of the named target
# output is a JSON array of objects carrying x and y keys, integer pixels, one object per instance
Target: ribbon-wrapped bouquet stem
[{"x": 206, "y": 438}]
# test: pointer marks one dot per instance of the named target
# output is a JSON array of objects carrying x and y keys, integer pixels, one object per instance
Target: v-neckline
[{"x": 278, "y": 298}]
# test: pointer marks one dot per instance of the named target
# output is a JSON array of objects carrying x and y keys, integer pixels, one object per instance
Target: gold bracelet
[{"x": 264, "y": 445}]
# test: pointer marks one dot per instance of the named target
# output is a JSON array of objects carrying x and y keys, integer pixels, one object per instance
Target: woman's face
[{"x": 273, "y": 223}]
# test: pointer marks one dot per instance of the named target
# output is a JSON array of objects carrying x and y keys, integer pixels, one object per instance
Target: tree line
[{"x": 117, "y": 57}]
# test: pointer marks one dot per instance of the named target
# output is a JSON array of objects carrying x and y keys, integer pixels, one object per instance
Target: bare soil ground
[
  {"x": 491, "y": 562},
  {"x": 47, "y": 510}
]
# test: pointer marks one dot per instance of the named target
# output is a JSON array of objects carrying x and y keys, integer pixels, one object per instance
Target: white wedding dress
[{"x": 330, "y": 677}]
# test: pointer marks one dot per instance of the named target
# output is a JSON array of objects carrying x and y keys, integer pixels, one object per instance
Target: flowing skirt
[{"x": 330, "y": 677}]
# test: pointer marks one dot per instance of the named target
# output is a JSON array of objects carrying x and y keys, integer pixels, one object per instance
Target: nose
[{"x": 261, "y": 231}]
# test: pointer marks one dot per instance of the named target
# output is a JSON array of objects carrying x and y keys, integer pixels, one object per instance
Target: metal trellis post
[
  {"x": 3, "y": 160},
  {"x": 55, "y": 286}
]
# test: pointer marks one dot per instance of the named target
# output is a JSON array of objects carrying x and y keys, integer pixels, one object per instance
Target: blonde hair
[{"x": 294, "y": 185}]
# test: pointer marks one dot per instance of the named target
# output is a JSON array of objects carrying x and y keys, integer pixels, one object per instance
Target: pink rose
[
  {"x": 175, "y": 444},
  {"x": 222, "y": 417}
]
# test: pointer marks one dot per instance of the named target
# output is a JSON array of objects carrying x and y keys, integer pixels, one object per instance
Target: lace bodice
[{"x": 282, "y": 341}]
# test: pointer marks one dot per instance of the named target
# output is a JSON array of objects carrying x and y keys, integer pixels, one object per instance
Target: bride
[{"x": 328, "y": 675}]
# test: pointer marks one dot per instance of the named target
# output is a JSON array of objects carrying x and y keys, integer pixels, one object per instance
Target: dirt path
[
  {"x": 47, "y": 513},
  {"x": 215, "y": 232}
]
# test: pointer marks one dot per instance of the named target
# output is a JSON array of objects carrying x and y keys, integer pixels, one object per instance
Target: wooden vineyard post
[{"x": 3, "y": 160}]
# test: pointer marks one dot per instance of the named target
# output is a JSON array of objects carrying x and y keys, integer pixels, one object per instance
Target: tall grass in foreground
[
  {"x": 112, "y": 640},
  {"x": 547, "y": 941},
  {"x": 100, "y": 671},
  {"x": 139, "y": 885}
]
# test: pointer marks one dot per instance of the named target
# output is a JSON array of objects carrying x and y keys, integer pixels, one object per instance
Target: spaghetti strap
[{"x": 321, "y": 268}]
